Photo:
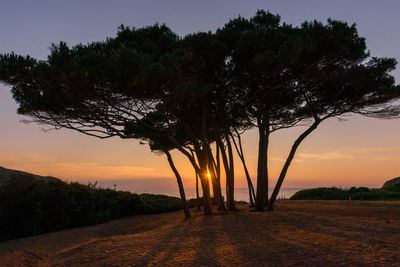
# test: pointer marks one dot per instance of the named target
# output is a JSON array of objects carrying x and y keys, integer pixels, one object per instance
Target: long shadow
[
  {"x": 180, "y": 236},
  {"x": 330, "y": 245},
  {"x": 206, "y": 253},
  {"x": 346, "y": 229},
  {"x": 259, "y": 246},
  {"x": 288, "y": 249},
  {"x": 163, "y": 243}
]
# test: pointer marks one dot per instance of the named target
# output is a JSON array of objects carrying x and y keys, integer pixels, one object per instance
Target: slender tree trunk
[
  {"x": 198, "y": 203},
  {"x": 266, "y": 164},
  {"x": 262, "y": 167},
  {"x": 217, "y": 190},
  {"x": 252, "y": 195},
  {"x": 218, "y": 163},
  {"x": 263, "y": 152},
  {"x": 227, "y": 175},
  {"x": 231, "y": 183},
  {"x": 214, "y": 179},
  {"x": 197, "y": 192},
  {"x": 180, "y": 185},
  {"x": 288, "y": 161},
  {"x": 239, "y": 150},
  {"x": 218, "y": 170},
  {"x": 228, "y": 164},
  {"x": 203, "y": 163},
  {"x": 206, "y": 195},
  {"x": 200, "y": 171},
  {"x": 205, "y": 185},
  {"x": 204, "y": 181},
  {"x": 261, "y": 175}
]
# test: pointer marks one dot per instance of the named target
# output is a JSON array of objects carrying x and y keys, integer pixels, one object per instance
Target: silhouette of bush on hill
[
  {"x": 29, "y": 206},
  {"x": 354, "y": 193}
]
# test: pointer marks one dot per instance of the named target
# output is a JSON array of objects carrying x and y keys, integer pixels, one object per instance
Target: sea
[
  {"x": 241, "y": 194},
  {"x": 168, "y": 187}
]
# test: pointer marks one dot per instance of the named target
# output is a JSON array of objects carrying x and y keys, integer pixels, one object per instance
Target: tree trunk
[
  {"x": 218, "y": 162},
  {"x": 262, "y": 167},
  {"x": 231, "y": 185},
  {"x": 206, "y": 195},
  {"x": 197, "y": 192},
  {"x": 225, "y": 162},
  {"x": 204, "y": 182},
  {"x": 203, "y": 163},
  {"x": 198, "y": 203},
  {"x": 288, "y": 161},
  {"x": 252, "y": 195},
  {"x": 266, "y": 164},
  {"x": 214, "y": 179},
  {"x": 218, "y": 170},
  {"x": 239, "y": 150},
  {"x": 199, "y": 170},
  {"x": 180, "y": 185}
]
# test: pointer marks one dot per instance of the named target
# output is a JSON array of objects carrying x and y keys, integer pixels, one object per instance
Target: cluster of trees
[{"x": 199, "y": 93}]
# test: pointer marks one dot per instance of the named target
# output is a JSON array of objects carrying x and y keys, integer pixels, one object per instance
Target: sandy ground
[{"x": 297, "y": 233}]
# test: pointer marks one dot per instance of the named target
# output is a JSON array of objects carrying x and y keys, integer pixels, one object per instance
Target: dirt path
[{"x": 309, "y": 233}]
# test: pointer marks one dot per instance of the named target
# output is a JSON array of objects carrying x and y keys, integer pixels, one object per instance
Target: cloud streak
[{"x": 368, "y": 153}]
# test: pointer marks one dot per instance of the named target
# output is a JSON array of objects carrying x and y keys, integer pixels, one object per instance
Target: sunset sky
[{"x": 355, "y": 152}]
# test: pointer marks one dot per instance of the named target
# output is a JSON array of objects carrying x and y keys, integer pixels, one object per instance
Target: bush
[
  {"x": 30, "y": 206},
  {"x": 159, "y": 203},
  {"x": 392, "y": 188},
  {"x": 355, "y": 193},
  {"x": 321, "y": 193}
]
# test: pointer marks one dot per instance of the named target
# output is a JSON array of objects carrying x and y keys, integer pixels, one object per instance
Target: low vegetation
[
  {"x": 30, "y": 206},
  {"x": 355, "y": 193}
]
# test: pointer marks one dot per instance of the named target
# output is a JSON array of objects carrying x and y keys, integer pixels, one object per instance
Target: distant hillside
[
  {"x": 6, "y": 174},
  {"x": 391, "y": 182}
]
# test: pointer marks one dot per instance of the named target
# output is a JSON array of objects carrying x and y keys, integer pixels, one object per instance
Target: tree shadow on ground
[
  {"x": 206, "y": 249},
  {"x": 163, "y": 250}
]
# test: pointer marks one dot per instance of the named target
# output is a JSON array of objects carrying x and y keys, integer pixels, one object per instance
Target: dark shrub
[
  {"x": 321, "y": 193},
  {"x": 159, "y": 203},
  {"x": 30, "y": 206},
  {"x": 354, "y": 193},
  {"x": 392, "y": 188}
]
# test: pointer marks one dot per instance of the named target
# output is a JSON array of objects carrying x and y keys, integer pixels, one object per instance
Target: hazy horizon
[{"x": 156, "y": 184}]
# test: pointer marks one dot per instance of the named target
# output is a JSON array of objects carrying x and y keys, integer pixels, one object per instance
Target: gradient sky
[{"x": 358, "y": 151}]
